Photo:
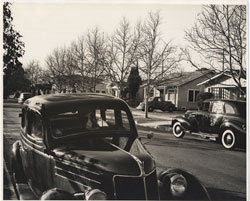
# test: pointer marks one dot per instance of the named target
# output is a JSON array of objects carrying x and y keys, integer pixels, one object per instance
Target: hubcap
[
  {"x": 178, "y": 129},
  {"x": 228, "y": 139}
]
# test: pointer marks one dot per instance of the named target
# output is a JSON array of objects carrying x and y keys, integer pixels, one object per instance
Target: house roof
[
  {"x": 185, "y": 77},
  {"x": 229, "y": 81}
]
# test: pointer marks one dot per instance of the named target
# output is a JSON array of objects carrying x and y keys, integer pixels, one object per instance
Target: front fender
[
  {"x": 195, "y": 190},
  {"x": 15, "y": 154},
  {"x": 184, "y": 122},
  {"x": 57, "y": 194},
  {"x": 17, "y": 170}
]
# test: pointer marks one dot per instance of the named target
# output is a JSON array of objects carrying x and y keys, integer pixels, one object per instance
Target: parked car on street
[
  {"x": 86, "y": 146},
  {"x": 157, "y": 103},
  {"x": 224, "y": 120},
  {"x": 24, "y": 96}
]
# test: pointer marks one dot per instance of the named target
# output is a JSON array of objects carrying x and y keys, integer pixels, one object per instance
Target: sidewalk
[{"x": 157, "y": 120}]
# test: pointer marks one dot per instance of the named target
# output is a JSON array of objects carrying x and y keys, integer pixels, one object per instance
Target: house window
[
  {"x": 97, "y": 91},
  {"x": 192, "y": 94},
  {"x": 103, "y": 92}
]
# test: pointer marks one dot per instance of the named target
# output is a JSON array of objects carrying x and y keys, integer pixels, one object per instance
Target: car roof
[{"x": 53, "y": 102}]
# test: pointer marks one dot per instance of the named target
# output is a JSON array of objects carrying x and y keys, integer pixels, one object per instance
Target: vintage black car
[
  {"x": 157, "y": 103},
  {"x": 86, "y": 146},
  {"x": 224, "y": 120}
]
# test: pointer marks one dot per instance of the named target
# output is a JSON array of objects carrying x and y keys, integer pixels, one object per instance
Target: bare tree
[
  {"x": 219, "y": 37},
  {"x": 79, "y": 51},
  {"x": 122, "y": 53},
  {"x": 33, "y": 71},
  {"x": 158, "y": 58},
  {"x": 57, "y": 66},
  {"x": 95, "y": 51}
]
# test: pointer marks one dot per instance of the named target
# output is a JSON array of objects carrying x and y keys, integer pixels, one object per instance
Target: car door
[
  {"x": 158, "y": 103},
  {"x": 216, "y": 116},
  {"x": 41, "y": 160},
  {"x": 201, "y": 117}
]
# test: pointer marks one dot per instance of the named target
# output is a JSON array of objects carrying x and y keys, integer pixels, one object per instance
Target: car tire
[
  {"x": 150, "y": 109},
  {"x": 178, "y": 132},
  {"x": 171, "y": 109},
  {"x": 228, "y": 139}
]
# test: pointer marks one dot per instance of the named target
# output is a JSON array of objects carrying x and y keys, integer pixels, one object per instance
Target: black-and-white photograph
[{"x": 124, "y": 100}]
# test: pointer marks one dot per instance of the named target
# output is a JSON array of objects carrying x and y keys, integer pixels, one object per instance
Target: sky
[{"x": 49, "y": 25}]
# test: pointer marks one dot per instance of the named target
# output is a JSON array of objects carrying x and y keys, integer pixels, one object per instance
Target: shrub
[{"x": 201, "y": 97}]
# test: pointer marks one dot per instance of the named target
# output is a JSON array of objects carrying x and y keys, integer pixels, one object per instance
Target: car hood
[{"x": 112, "y": 159}]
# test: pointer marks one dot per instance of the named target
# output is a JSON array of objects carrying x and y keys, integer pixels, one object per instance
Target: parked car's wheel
[
  {"x": 150, "y": 109},
  {"x": 177, "y": 130},
  {"x": 171, "y": 109},
  {"x": 228, "y": 139}
]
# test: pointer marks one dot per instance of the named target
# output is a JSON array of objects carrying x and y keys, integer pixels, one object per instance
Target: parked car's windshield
[{"x": 86, "y": 120}]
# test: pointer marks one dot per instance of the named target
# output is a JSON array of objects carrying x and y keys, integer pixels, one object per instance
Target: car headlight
[
  {"x": 95, "y": 194},
  {"x": 178, "y": 185}
]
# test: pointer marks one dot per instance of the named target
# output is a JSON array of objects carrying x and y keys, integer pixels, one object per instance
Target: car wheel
[
  {"x": 177, "y": 130},
  {"x": 228, "y": 139},
  {"x": 171, "y": 109},
  {"x": 150, "y": 109}
]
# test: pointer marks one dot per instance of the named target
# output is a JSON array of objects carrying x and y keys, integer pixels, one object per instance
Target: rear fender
[
  {"x": 231, "y": 125},
  {"x": 195, "y": 190}
]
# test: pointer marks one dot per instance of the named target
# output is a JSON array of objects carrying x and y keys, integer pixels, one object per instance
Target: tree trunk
[{"x": 147, "y": 95}]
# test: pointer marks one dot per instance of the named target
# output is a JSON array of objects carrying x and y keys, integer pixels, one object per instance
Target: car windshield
[{"x": 91, "y": 120}]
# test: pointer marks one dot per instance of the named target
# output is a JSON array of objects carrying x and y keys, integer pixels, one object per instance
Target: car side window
[
  {"x": 218, "y": 107},
  {"x": 205, "y": 106},
  {"x": 229, "y": 109},
  {"x": 35, "y": 125}
]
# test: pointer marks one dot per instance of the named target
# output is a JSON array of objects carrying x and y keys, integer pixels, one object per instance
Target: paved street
[{"x": 223, "y": 172}]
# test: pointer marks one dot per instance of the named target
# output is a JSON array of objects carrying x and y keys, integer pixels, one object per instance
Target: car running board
[{"x": 205, "y": 135}]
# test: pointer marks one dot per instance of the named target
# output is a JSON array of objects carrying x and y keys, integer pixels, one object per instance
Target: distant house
[
  {"x": 223, "y": 86},
  {"x": 182, "y": 91}
]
